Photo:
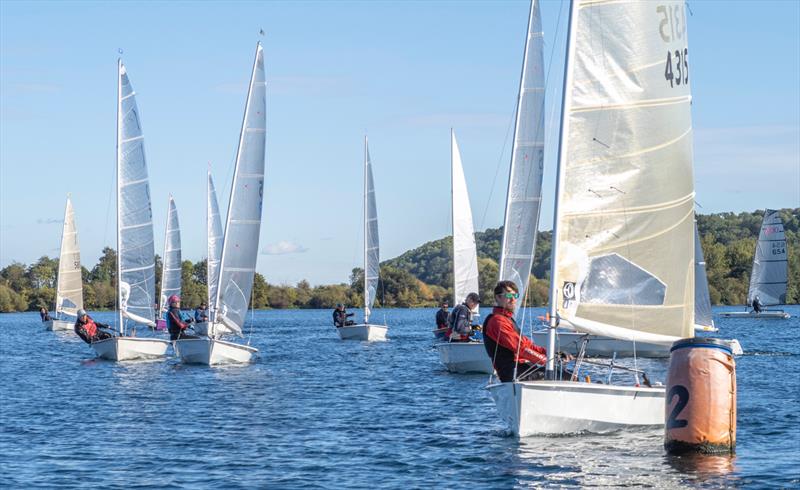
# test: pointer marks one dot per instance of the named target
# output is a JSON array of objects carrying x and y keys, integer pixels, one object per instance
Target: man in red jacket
[{"x": 504, "y": 343}]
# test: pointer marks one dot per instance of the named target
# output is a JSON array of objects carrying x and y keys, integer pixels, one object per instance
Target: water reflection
[{"x": 703, "y": 467}]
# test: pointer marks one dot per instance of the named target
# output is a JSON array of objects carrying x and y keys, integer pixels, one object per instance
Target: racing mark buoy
[{"x": 700, "y": 406}]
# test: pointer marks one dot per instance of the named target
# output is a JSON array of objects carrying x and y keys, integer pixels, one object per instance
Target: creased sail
[
  {"x": 171, "y": 266},
  {"x": 527, "y": 162},
  {"x": 134, "y": 215},
  {"x": 243, "y": 225},
  {"x": 372, "y": 253},
  {"x": 214, "y": 230},
  {"x": 702, "y": 299},
  {"x": 465, "y": 256},
  {"x": 770, "y": 267},
  {"x": 625, "y": 257},
  {"x": 69, "y": 290}
]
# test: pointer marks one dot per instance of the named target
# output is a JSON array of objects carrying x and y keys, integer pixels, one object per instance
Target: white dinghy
[
  {"x": 242, "y": 228},
  {"x": 462, "y": 357},
  {"x": 135, "y": 250},
  {"x": 769, "y": 278},
  {"x": 623, "y": 237},
  {"x": 69, "y": 284},
  {"x": 171, "y": 263},
  {"x": 368, "y": 331}
]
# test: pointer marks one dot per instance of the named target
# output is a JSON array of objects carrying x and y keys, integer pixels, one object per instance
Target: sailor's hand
[{"x": 477, "y": 328}]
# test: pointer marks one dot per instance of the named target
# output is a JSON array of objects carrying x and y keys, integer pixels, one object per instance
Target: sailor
[
  {"x": 507, "y": 348},
  {"x": 460, "y": 319},
  {"x": 88, "y": 329},
  {"x": 442, "y": 315},
  {"x": 44, "y": 314},
  {"x": 340, "y": 317},
  {"x": 201, "y": 313},
  {"x": 757, "y": 304},
  {"x": 176, "y": 322}
]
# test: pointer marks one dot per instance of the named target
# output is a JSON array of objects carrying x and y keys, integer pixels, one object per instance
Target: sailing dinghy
[
  {"x": 368, "y": 331},
  {"x": 135, "y": 250},
  {"x": 69, "y": 284},
  {"x": 623, "y": 238},
  {"x": 768, "y": 279},
  {"x": 171, "y": 263},
  {"x": 242, "y": 228},
  {"x": 462, "y": 357}
]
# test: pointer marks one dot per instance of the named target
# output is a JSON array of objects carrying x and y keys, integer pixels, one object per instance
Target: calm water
[{"x": 316, "y": 412}]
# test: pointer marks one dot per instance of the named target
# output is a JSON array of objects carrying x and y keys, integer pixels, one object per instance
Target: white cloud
[
  {"x": 283, "y": 247},
  {"x": 49, "y": 221}
]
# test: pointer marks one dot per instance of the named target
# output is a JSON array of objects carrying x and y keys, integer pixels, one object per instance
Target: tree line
[{"x": 420, "y": 277}]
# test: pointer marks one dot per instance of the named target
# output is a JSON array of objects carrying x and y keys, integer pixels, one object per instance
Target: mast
[
  {"x": 366, "y": 241},
  {"x": 208, "y": 242},
  {"x": 119, "y": 220},
  {"x": 563, "y": 134},
  {"x": 453, "y": 218},
  {"x": 61, "y": 258},
  {"x": 164, "y": 261}
]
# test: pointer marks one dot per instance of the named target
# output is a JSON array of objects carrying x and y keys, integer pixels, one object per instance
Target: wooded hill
[{"x": 420, "y": 277}]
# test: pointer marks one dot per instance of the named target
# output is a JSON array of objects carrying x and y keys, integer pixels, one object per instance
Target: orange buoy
[{"x": 700, "y": 406}]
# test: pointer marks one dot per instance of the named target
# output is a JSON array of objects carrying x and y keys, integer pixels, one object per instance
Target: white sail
[
  {"x": 135, "y": 249},
  {"x": 171, "y": 265},
  {"x": 214, "y": 237},
  {"x": 243, "y": 224},
  {"x": 527, "y": 162},
  {"x": 465, "y": 255},
  {"x": 371, "y": 242},
  {"x": 624, "y": 254},
  {"x": 69, "y": 286},
  {"x": 702, "y": 299},
  {"x": 770, "y": 267}
]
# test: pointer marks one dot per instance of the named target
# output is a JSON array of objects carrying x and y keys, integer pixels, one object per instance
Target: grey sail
[
  {"x": 371, "y": 241},
  {"x": 770, "y": 267},
  {"x": 527, "y": 162},
  {"x": 69, "y": 287},
  {"x": 135, "y": 249},
  {"x": 702, "y": 299},
  {"x": 243, "y": 224},
  {"x": 214, "y": 237},
  {"x": 171, "y": 265}
]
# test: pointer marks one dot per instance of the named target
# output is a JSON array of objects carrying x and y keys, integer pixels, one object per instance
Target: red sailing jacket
[{"x": 500, "y": 328}]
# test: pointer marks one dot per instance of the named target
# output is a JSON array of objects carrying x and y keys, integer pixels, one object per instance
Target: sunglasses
[{"x": 512, "y": 295}]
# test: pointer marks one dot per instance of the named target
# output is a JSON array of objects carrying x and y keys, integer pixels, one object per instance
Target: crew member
[
  {"x": 757, "y": 304},
  {"x": 44, "y": 314},
  {"x": 88, "y": 329},
  {"x": 460, "y": 319},
  {"x": 340, "y": 317},
  {"x": 176, "y": 322},
  {"x": 441, "y": 319},
  {"x": 201, "y": 313}
]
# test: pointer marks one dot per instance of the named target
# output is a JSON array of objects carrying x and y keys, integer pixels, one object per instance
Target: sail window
[{"x": 615, "y": 280}]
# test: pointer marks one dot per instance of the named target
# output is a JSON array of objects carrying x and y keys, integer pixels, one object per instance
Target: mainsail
[
  {"x": 527, "y": 161},
  {"x": 171, "y": 265},
  {"x": 371, "y": 242},
  {"x": 702, "y": 299},
  {"x": 214, "y": 237},
  {"x": 624, "y": 244},
  {"x": 69, "y": 286},
  {"x": 135, "y": 249},
  {"x": 770, "y": 267},
  {"x": 465, "y": 256},
  {"x": 243, "y": 225}
]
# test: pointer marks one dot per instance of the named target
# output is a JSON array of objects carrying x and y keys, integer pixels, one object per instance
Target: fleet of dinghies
[{"x": 628, "y": 275}]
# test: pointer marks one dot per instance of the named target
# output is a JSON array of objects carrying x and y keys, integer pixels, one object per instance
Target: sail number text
[
  {"x": 680, "y": 74},
  {"x": 672, "y": 26}
]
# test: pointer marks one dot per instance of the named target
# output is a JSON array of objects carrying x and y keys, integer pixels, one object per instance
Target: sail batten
[
  {"x": 69, "y": 285},
  {"x": 769, "y": 276},
  {"x": 465, "y": 256}
]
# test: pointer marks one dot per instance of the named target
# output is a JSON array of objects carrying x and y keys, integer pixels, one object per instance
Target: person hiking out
[
  {"x": 340, "y": 316},
  {"x": 89, "y": 330}
]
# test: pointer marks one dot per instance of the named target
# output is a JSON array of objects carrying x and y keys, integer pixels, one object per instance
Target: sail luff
[
  {"x": 523, "y": 197},
  {"x": 171, "y": 266},
  {"x": 69, "y": 283},
  {"x": 465, "y": 258},
  {"x": 120, "y": 320}
]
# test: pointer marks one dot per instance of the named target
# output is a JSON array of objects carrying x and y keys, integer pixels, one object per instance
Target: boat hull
[
  {"x": 367, "y": 332},
  {"x": 464, "y": 357},
  {"x": 563, "y": 407},
  {"x": 766, "y": 314},
  {"x": 211, "y": 352},
  {"x": 58, "y": 325},
  {"x": 130, "y": 348}
]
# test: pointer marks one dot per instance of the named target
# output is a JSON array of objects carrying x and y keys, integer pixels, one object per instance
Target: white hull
[
  {"x": 564, "y": 407},
  {"x": 776, "y": 314},
  {"x": 213, "y": 351},
  {"x": 130, "y": 348},
  {"x": 465, "y": 357},
  {"x": 362, "y": 332},
  {"x": 219, "y": 329},
  {"x": 54, "y": 325}
]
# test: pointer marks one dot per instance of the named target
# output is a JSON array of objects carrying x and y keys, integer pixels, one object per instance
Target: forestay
[
  {"x": 465, "y": 258},
  {"x": 214, "y": 237},
  {"x": 625, "y": 209},
  {"x": 69, "y": 288},
  {"x": 243, "y": 225},
  {"x": 135, "y": 247},
  {"x": 527, "y": 161},
  {"x": 171, "y": 266},
  {"x": 770, "y": 267},
  {"x": 371, "y": 241},
  {"x": 702, "y": 299}
]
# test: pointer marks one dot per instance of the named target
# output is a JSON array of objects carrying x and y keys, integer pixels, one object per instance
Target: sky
[{"x": 402, "y": 73}]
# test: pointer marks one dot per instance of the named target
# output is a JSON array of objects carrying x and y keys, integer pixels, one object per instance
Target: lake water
[{"x": 316, "y": 412}]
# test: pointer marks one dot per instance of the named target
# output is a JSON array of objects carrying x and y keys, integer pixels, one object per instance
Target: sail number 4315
[
  {"x": 672, "y": 27},
  {"x": 681, "y": 72}
]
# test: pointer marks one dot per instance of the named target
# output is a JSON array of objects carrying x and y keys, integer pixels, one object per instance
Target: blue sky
[{"x": 401, "y": 72}]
